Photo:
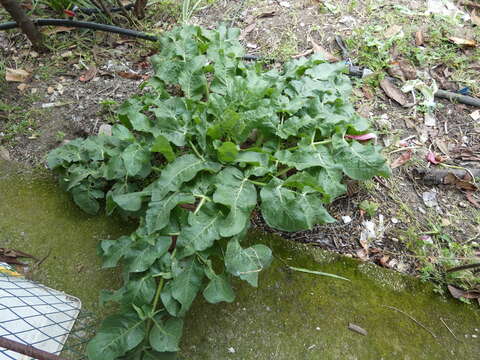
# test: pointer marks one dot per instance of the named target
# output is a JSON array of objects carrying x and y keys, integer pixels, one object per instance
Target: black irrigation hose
[{"x": 83, "y": 25}]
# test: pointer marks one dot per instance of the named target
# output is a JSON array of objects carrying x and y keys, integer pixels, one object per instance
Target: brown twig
[
  {"x": 27, "y": 350},
  {"x": 411, "y": 318}
]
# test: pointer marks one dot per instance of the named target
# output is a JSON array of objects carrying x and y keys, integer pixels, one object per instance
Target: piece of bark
[{"x": 27, "y": 26}]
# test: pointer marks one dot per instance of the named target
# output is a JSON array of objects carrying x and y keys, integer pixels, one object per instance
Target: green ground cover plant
[{"x": 210, "y": 140}]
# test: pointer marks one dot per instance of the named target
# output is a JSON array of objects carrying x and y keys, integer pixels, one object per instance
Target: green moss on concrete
[
  {"x": 294, "y": 315},
  {"x": 37, "y": 217}
]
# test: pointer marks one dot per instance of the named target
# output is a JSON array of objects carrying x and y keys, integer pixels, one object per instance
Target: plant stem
[
  {"x": 258, "y": 183},
  {"x": 196, "y": 151},
  {"x": 157, "y": 294}
]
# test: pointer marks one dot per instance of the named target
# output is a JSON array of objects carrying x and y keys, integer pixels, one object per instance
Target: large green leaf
[
  {"x": 235, "y": 191},
  {"x": 247, "y": 263},
  {"x": 130, "y": 201},
  {"x": 183, "y": 169},
  {"x": 165, "y": 335},
  {"x": 86, "y": 198},
  {"x": 135, "y": 159},
  {"x": 203, "y": 229},
  {"x": 288, "y": 210},
  {"x": 306, "y": 157},
  {"x": 142, "y": 254},
  {"x": 186, "y": 283},
  {"x": 218, "y": 289},
  {"x": 113, "y": 250},
  {"x": 117, "y": 335},
  {"x": 360, "y": 162},
  {"x": 162, "y": 145},
  {"x": 158, "y": 213}
]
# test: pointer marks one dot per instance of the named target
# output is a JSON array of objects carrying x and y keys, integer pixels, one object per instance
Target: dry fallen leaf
[
  {"x": 129, "y": 75},
  {"x": 419, "y": 41},
  {"x": 16, "y": 75},
  {"x": 402, "y": 159},
  {"x": 321, "y": 50},
  {"x": 459, "y": 293},
  {"x": 393, "y": 92},
  {"x": 452, "y": 179},
  {"x": 462, "y": 42},
  {"x": 89, "y": 74}
]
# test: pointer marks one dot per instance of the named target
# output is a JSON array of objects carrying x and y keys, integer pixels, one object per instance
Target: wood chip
[
  {"x": 393, "y": 92},
  {"x": 16, "y": 75},
  {"x": 357, "y": 329},
  {"x": 419, "y": 40},
  {"x": 462, "y": 42}
]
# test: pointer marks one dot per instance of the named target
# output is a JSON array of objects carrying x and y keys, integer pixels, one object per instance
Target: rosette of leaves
[{"x": 210, "y": 140}]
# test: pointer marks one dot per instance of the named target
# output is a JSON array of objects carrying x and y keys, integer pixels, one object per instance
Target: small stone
[
  {"x": 466, "y": 336},
  {"x": 430, "y": 120},
  {"x": 317, "y": 328},
  {"x": 66, "y": 54},
  {"x": 446, "y": 222},
  {"x": 34, "y": 91},
  {"x": 475, "y": 115},
  {"x": 474, "y": 336},
  {"x": 346, "y": 219},
  {"x": 476, "y": 330},
  {"x": 231, "y": 350},
  {"x": 395, "y": 220},
  {"x": 105, "y": 129},
  {"x": 4, "y": 154},
  {"x": 430, "y": 198},
  {"x": 22, "y": 86},
  {"x": 50, "y": 90},
  {"x": 462, "y": 204},
  {"x": 285, "y": 4}
]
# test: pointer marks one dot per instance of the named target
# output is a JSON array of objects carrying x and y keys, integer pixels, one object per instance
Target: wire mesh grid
[{"x": 33, "y": 314}]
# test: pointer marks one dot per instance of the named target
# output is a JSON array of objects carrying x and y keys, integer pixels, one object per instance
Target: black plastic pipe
[{"x": 83, "y": 25}]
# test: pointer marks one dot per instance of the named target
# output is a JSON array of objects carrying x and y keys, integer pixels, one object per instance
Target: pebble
[
  {"x": 474, "y": 336},
  {"x": 231, "y": 350},
  {"x": 346, "y": 219}
]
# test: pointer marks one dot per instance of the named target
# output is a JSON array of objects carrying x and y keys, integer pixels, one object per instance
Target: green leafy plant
[
  {"x": 211, "y": 140},
  {"x": 370, "y": 207}
]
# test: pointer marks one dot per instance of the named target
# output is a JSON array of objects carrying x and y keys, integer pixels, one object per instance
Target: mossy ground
[{"x": 292, "y": 315}]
